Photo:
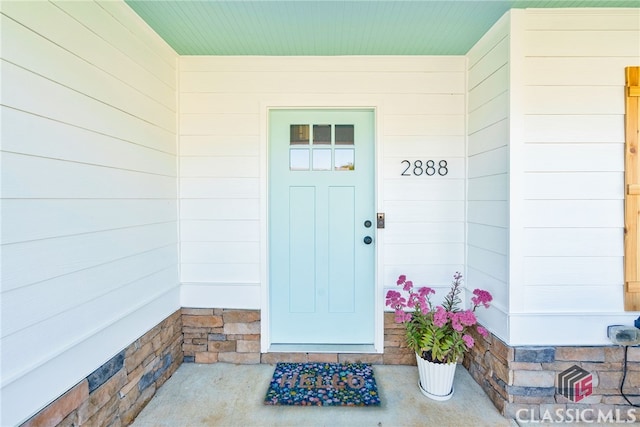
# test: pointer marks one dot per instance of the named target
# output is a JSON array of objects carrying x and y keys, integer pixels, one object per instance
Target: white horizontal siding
[
  {"x": 579, "y": 186},
  {"x": 577, "y": 99},
  {"x": 420, "y": 102},
  {"x": 59, "y": 178},
  {"x": 220, "y": 167},
  {"x": 37, "y": 219},
  {"x": 225, "y": 272},
  {"x": 220, "y": 231},
  {"x": 409, "y": 254},
  {"x": 63, "y": 27},
  {"x": 220, "y": 252},
  {"x": 158, "y": 61},
  {"x": 489, "y": 113},
  {"x": 579, "y": 43},
  {"x": 558, "y": 157},
  {"x": 56, "y": 140},
  {"x": 327, "y": 82},
  {"x": 37, "y": 260},
  {"x": 143, "y": 35},
  {"x": 220, "y": 125},
  {"x": 413, "y": 146},
  {"x": 35, "y": 54},
  {"x": 488, "y": 172},
  {"x": 589, "y": 71},
  {"x": 424, "y": 103},
  {"x": 489, "y": 138},
  {"x": 429, "y": 211},
  {"x": 573, "y": 162},
  {"x": 488, "y": 163},
  {"x": 220, "y": 209},
  {"x": 575, "y": 327},
  {"x": 357, "y": 64},
  {"x": 588, "y": 242},
  {"x": 493, "y": 283},
  {"x": 490, "y": 87},
  {"x": 489, "y": 237},
  {"x": 417, "y": 125},
  {"x": 89, "y": 184},
  {"x": 230, "y": 295},
  {"x": 489, "y": 262},
  {"x": 491, "y": 187},
  {"x": 219, "y": 187},
  {"x": 573, "y": 213},
  {"x": 583, "y": 19},
  {"x": 28, "y": 306},
  {"x": 424, "y": 232},
  {"x": 488, "y": 57},
  {"x": 219, "y": 145},
  {"x": 573, "y": 296},
  {"x": 421, "y": 188},
  {"x": 571, "y": 128},
  {"x": 36, "y": 94},
  {"x": 594, "y": 270}
]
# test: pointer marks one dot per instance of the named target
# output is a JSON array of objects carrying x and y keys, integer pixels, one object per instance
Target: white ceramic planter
[{"x": 436, "y": 379}]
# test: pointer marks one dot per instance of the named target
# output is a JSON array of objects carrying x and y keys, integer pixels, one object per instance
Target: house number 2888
[{"x": 429, "y": 168}]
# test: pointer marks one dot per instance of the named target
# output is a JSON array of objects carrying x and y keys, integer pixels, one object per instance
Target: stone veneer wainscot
[
  {"x": 233, "y": 336},
  {"x": 514, "y": 378}
]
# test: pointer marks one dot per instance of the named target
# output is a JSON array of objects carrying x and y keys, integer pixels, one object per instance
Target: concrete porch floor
[{"x": 224, "y": 394}]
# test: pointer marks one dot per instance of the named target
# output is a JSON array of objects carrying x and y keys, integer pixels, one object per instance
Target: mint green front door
[{"x": 321, "y": 226}]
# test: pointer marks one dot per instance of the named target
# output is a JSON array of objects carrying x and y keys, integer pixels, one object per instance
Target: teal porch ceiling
[{"x": 327, "y": 27}]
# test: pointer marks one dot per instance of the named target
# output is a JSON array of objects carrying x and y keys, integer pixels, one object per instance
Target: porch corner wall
[{"x": 488, "y": 172}]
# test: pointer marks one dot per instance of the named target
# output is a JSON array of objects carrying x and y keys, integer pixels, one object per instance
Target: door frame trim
[{"x": 318, "y": 103}]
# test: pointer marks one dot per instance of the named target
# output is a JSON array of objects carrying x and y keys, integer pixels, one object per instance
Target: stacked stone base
[
  {"x": 115, "y": 393},
  {"x": 522, "y": 382},
  {"x": 219, "y": 335}
]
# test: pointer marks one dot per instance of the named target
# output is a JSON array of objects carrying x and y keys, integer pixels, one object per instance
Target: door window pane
[
  {"x": 344, "y": 159},
  {"x": 299, "y": 134},
  {"x": 322, "y": 134},
  {"x": 344, "y": 135},
  {"x": 299, "y": 159},
  {"x": 322, "y": 159}
]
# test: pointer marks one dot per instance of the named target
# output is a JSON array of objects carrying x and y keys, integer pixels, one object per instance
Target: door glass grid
[
  {"x": 299, "y": 135},
  {"x": 344, "y": 135},
  {"x": 321, "y": 147},
  {"x": 321, "y": 134},
  {"x": 344, "y": 159}
]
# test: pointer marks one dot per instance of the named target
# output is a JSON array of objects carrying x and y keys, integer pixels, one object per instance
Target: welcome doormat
[{"x": 323, "y": 384}]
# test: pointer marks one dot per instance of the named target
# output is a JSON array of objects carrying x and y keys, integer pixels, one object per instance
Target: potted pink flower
[{"x": 439, "y": 335}]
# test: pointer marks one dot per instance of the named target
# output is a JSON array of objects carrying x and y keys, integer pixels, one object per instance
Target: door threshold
[{"x": 321, "y": 348}]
